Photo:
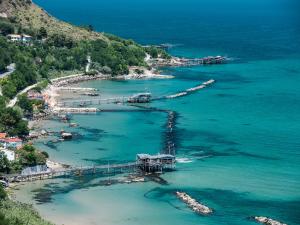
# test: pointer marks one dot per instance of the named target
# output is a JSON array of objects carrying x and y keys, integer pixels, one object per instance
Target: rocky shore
[
  {"x": 179, "y": 62},
  {"x": 144, "y": 73},
  {"x": 74, "y": 79}
]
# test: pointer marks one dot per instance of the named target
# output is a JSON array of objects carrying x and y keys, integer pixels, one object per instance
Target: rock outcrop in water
[
  {"x": 267, "y": 221},
  {"x": 193, "y": 204}
]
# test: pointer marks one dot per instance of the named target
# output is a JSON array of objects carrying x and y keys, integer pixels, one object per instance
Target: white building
[
  {"x": 14, "y": 37},
  {"x": 9, "y": 154},
  {"x": 20, "y": 38},
  {"x": 26, "y": 38}
]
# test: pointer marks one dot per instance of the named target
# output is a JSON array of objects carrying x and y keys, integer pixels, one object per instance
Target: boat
[{"x": 66, "y": 136}]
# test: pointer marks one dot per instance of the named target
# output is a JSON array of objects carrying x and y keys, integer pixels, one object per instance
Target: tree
[
  {"x": 21, "y": 129},
  {"x": 88, "y": 27},
  {"x": 30, "y": 156},
  {"x": 45, "y": 154},
  {"x": 11, "y": 122},
  {"x": 2, "y": 65},
  {"x": 25, "y": 104},
  {"x": 9, "y": 90},
  {"x": 42, "y": 33},
  {"x": 59, "y": 40},
  {"x": 4, "y": 163},
  {"x": 3, "y": 195},
  {"x": 3, "y": 220},
  {"x": 2, "y": 102},
  {"x": 28, "y": 148},
  {"x": 6, "y": 28}
]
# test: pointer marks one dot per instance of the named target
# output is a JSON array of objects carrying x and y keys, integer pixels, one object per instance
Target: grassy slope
[
  {"x": 21, "y": 214},
  {"x": 32, "y": 16}
]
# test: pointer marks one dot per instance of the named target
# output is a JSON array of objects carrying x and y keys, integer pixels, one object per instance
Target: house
[
  {"x": 26, "y": 38},
  {"x": 34, "y": 95},
  {"x": 19, "y": 37},
  {"x": 14, "y": 37},
  {"x": 2, "y": 138},
  {"x": 10, "y": 155},
  {"x": 12, "y": 143},
  {"x": 3, "y": 135}
]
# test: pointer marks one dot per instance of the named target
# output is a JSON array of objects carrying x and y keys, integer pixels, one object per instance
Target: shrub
[{"x": 3, "y": 194}]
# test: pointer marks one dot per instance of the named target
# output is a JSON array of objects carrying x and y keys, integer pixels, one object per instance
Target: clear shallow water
[{"x": 241, "y": 135}]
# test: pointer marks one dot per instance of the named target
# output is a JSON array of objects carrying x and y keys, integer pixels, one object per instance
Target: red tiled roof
[
  {"x": 2, "y": 135},
  {"x": 13, "y": 140}
]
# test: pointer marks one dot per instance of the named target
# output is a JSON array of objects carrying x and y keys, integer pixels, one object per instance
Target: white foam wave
[{"x": 184, "y": 160}]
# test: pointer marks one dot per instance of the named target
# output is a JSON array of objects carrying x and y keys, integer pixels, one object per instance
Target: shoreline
[{"x": 50, "y": 93}]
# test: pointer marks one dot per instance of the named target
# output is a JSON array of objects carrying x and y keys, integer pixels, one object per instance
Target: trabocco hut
[
  {"x": 140, "y": 98},
  {"x": 155, "y": 163}
]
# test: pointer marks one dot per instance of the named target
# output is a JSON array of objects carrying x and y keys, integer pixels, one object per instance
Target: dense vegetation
[
  {"x": 11, "y": 120},
  {"x": 60, "y": 53},
  {"x": 47, "y": 55},
  {"x": 16, "y": 213}
]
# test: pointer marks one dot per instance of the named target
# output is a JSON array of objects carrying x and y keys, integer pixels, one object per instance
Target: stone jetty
[
  {"x": 170, "y": 134},
  {"x": 190, "y": 90},
  {"x": 267, "y": 221},
  {"x": 180, "y": 94},
  {"x": 193, "y": 204}
]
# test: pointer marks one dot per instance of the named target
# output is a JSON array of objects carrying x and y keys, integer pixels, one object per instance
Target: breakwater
[
  {"x": 193, "y": 204},
  {"x": 169, "y": 146},
  {"x": 170, "y": 140},
  {"x": 190, "y": 90}
]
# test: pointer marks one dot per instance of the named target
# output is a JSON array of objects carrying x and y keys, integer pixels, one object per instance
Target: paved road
[
  {"x": 14, "y": 100},
  {"x": 11, "y": 68}
]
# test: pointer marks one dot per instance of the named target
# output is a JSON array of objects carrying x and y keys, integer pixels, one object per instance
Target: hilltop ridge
[{"x": 31, "y": 16}]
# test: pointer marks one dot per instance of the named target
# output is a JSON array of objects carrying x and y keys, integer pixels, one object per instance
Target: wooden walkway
[
  {"x": 95, "y": 101},
  {"x": 77, "y": 171},
  {"x": 125, "y": 99}
]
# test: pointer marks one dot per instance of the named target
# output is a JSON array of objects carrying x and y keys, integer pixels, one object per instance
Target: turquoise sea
[{"x": 238, "y": 140}]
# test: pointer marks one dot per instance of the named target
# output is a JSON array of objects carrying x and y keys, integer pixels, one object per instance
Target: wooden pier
[
  {"x": 137, "y": 98},
  {"x": 144, "y": 163},
  {"x": 158, "y": 163}
]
